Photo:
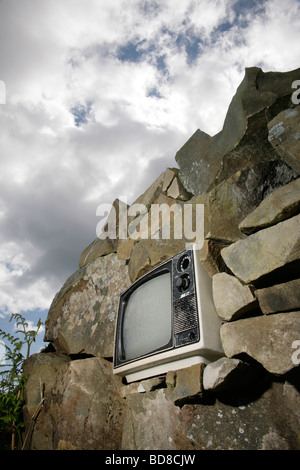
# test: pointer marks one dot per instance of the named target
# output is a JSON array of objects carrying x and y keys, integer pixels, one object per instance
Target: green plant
[{"x": 13, "y": 381}]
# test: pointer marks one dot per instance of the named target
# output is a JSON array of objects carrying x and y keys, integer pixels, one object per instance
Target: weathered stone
[
  {"x": 168, "y": 178},
  {"x": 187, "y": 384},
  {"x": 265, "y": 251},
  {"x": 280, "y": 205},
  {"x": 267, "y": 339},
  {"x": 148, "y": 253},
  {"x": 163, "y": 221},
  {"x": 42, "y": 370},
  {"x": 177, "y": 191},
  {"x": 150, "y": 422},
  {"x": 125, "y": 248},
  {"x": 237, "y": 420},
  {"x": 195, "y": 162},
  {"x": 82, "y": 316},
  {"x": 226, "y": 374},
  {"x": 144, "y": 386},
  {"x": 210, "y": 256},
  {"x": 241, "y": 421},
  {"x": 206, "y": 160},
  {"x": 96, "y": 249},
  {"x": 85, "y": 406},
  {"x": 284, "y": 135},
  {"x": 280, "y": 297},
  {"x": 231, "y": 298},
  {"x": 231, "y": 201},
  {"x": 112, "y": 228}
]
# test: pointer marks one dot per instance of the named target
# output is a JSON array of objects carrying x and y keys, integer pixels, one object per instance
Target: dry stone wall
[{"x": 247, "y": 177}]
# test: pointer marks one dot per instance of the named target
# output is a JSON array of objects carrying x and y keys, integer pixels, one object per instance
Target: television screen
[{"x": 147, "y": 321}]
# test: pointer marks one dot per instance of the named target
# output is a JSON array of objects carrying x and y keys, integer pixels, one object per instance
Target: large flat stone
[
  {"x": 267, "y": 339},
  {"x": 279, "y": 205},
  {"x": 228, "y": 203},
  {"x": 265, "y": 251},
  {"x": 280, "y": 297}
]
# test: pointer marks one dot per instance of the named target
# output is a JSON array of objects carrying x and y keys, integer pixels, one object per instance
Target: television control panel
[{"x": 185, "y": 312}]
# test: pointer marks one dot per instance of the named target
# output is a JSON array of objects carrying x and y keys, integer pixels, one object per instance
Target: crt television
[{"x": 167, "y": 320}]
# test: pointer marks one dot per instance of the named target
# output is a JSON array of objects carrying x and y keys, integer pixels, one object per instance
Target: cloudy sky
[{"x": 99, "y": 96}]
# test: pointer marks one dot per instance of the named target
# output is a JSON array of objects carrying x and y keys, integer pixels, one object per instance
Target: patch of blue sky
[
  {"x": 244, "y": 12},
  {"x": 154, "y": 92},
  {"x": 192, "y": 44},
  {"x": 160, "y": 62},
  {"x": 81, "y": 113},
  {"x": 242, "y": 7},
  {"x": 141, "y": 50},
  {"x": 132, "y": 51}
]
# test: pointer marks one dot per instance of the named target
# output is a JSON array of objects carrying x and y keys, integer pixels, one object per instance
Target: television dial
[
  {"x": 183, "y": 263},
  {"x": 183, "y": 282}
]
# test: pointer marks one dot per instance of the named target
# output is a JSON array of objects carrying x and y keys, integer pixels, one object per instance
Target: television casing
[{"x": 195, "y": 325}]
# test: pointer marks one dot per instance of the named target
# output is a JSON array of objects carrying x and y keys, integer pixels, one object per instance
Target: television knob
[{"x": 183, "y": 283}]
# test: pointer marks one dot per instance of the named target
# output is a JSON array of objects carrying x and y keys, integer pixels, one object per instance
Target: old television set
[{"x": 167, "y": 320}]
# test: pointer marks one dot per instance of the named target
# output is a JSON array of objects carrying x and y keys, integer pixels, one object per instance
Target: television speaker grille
[{"x": 185, "y": 314}]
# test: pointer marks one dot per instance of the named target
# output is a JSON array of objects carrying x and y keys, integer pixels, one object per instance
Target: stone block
[
  {"x": 168, "y": 178},
  {"x": 279, "y": 205},
  {"x": 177, "y": 191},
  {"x": 280, "y": 297},
  {"x": 229, "y": 202},
  {"x": 125, "y": 248},
  {"x": 112, "y": 227},
  {"x": 265, "y": 251},
  {"x": 210, "y": 256},
  {"x": 231, "y": 298},
  {"x": 85, "y": 406},
  {"x": 151, "y": 422},
  {"x": 187, "y": 384},
  {"x": 96, "y": 249},
  {"x": 227, "y": 374},
  {"x": 268, "y": 339},
  {"x": 148, "y": 253}
]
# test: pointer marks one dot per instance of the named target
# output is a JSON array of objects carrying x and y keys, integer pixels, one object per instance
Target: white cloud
[{"x": 99, "y": 97}]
